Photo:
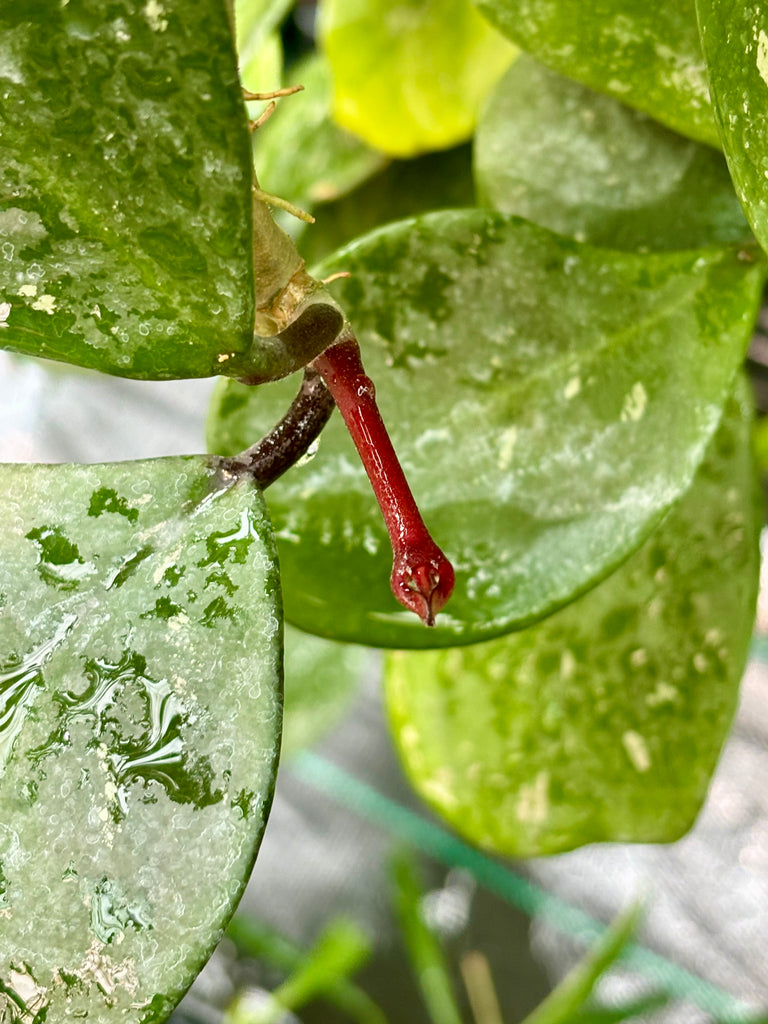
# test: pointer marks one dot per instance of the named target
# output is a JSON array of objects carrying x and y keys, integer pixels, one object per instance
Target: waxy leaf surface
[
  {"x": 585, "y": 165},
  {"x": 605, "y": 721},
  {"x": 646, "y": 54},
  {"x": 140, "y": 712},
  {"x": 735, "y": 41},
  {"x": 125, "y": 203},
  {"x": 549, "y": 401},
  {"x": 410, "y": 76}
]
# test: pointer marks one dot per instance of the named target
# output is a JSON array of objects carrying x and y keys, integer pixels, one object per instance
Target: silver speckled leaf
[
  {"x": 648, "y": 55},
  {"x": 735, "y": 41},
  {"x": 125, "y": 187},
  {"x": 585, "y": 165},
  {"x": 140, "y": 712},
  {"x": 604, "y": 722},
  {"x": 548, "y": 400}
]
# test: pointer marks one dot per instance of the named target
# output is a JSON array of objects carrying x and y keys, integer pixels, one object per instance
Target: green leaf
[
  {"x": 549, "y": 401},
  {"x": 341, "y": 950},
  {"x": 604, "y": 722},
  {"x": 125, "y": 187},
  {"x": 427, "y": 958},
  {"x": 140, "y": 708},
  {"x": 585, "y": 165},
  {"x": 257, "y": 23},
  {"x": 253, "y": 938},
  {"x": 648, "y": 55},
  {"x": 332, "y": 162},
  {"x": 735, "y": 42},
  {"x": 434, "y": 65},
  {"x": 405, "y": 188},
  {"x": 577, "y": 986},
  {"x": 320, "y": 680}
]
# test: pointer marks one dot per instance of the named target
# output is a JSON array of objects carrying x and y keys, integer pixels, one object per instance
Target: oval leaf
[
  {"x": 433, "y": 65},
  {"x": 140, "y": 718},
  {"x": 605, "y": 721},
  {"x": 549, "y": 401},
  {"x": 585, "y": 165},
  {"x": 735, "y": 41},
  {"x": 125, "y": 187},
  {"x": 646, "y": 54}
]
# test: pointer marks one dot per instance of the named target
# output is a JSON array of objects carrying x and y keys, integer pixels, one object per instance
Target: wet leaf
[
  {"x": 587, "y": 166},
  {"x": 549, "y": 401},
  {"x": 410, "y": 76},
  {"x": 605, "y": 721},
  {"x": 735, "y": 41},
  {"x": 648, "y": 55},
  {"x": 140, "y": 709},
  {"x": 125, "y": 187},
  {"x": 330, "y": 161}
]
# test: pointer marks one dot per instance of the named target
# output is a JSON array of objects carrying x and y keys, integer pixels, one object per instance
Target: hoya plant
[{"x": 555, "y": 324}]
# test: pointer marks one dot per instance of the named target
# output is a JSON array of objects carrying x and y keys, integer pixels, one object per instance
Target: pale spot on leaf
[
  {"x": 637, "y": 750},
  {"x": 46, "y": 304},
  {"x": 762, "y": 56},
  {"x": 634, "y": 404}
]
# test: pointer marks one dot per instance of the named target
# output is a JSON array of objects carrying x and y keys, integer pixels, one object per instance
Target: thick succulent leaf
[
  {"x": 140, "y": 709},
  {"x": 320, "y": 680},
  {"x": 605, "y": 721},
  {"x": 735, "y": 41},
  {"x": 409, "y": 76},
  {"x": 330, "y": 161},
  {"x": 646, "y": 54},
  {"x": 406, "y": 188},
  {"x": 548, "y": 400},
  {"x": 585, "y": 165},
  {"x": 125, "y": 187}
]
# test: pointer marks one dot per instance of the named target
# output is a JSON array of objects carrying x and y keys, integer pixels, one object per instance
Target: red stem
[{"x": 422, "y": 577}]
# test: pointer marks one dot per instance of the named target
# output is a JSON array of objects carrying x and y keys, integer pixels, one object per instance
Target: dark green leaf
[
  {"x": 646, "y": 54},
  {"x": 434, "y": 63},
  {"x": 587, "y": 166},
  {"x": 125, "y": 187},
  {"x": 735, "y": 41},
  {"x": 140, "y": 711},
  {"x": 605, "y": 721},
  {"x": 549, "y": 401}
]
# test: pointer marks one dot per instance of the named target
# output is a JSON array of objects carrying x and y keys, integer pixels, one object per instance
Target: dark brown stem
[
  {"x": 422, "y": 577},
  {"x": 292, "y": 437}
]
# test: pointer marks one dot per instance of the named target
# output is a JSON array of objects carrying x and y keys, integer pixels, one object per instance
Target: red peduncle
[{"x": 422, "y": 577}]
